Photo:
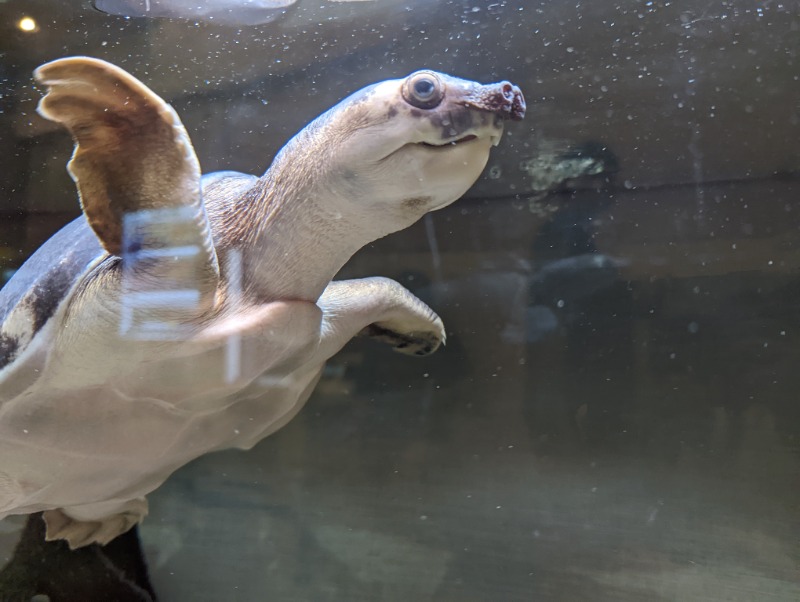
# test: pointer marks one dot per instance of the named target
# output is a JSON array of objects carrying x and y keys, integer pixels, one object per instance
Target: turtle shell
[{"x": 33, "y": 294}]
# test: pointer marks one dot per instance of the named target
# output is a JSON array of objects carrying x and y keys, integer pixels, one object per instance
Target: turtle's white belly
[
  {"x": 132, "y": 446},
  {"x": 75, "y": 438}
]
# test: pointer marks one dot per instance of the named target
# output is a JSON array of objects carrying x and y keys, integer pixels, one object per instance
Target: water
[{"x": 614, "y": 416}]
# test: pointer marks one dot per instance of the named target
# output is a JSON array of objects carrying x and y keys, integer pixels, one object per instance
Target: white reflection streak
[
  {"x": 233, "y": 350},
  {"x": 430, "y": 232},
  {"x": 153, "y": 229},
  {"x": 153, "y": 330}
]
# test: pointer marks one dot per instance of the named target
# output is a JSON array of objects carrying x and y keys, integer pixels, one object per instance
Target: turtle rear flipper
[{"x": 135, "y": 169}]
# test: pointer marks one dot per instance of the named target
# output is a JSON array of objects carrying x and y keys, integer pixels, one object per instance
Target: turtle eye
[{"x": 424, "y": 90}]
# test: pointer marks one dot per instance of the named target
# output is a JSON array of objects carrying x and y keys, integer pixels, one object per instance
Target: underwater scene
[{"x": 383, "y": 300}]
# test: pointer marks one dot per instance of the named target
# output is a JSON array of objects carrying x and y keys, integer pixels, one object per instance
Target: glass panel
[{"x": 614, "y": 415}]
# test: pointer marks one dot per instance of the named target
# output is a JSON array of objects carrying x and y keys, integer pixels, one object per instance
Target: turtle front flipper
[
  {"x": 382, "y": 309},
  {"x": 135, "y": 169}
]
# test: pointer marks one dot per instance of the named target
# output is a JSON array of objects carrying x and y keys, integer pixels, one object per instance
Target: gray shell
[{"x": 46, "y": 280}]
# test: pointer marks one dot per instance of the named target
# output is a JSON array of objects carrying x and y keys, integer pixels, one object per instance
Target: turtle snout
[
  {"x": 517, "y": 100},
  {"x": 503, "y": 99},
  {"x": 513, "y": 103}
]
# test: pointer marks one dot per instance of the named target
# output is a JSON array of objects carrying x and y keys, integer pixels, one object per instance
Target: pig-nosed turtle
[{"x": 183, "y": 314}]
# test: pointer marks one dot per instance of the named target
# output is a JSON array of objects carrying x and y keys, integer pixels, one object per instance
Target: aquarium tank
[{"x": 608, "y": 408}]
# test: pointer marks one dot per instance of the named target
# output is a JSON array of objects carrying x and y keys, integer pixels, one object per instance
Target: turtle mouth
[
  {"x": 495, "y": 138},
  {"x": 451, "y": 142}
]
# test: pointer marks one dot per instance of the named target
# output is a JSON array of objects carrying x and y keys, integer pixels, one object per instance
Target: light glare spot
[{"x": 27, "y": 24}]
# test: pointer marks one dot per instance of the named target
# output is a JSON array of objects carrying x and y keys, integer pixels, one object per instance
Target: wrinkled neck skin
[
  {"x": 301, "y": 245},
  {"x": 299, "y": 229}
]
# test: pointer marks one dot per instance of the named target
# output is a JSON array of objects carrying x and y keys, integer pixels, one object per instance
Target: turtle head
[{"x": 413, "y": 145}]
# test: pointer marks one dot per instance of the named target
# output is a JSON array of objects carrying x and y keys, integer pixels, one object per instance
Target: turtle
[{"x": 181, "y": 313}]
